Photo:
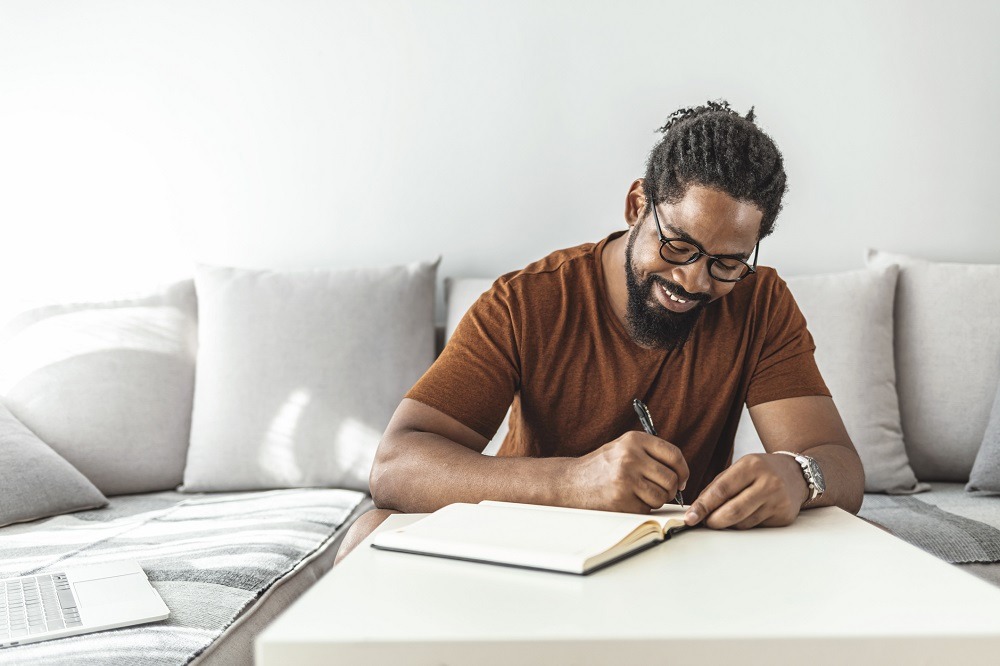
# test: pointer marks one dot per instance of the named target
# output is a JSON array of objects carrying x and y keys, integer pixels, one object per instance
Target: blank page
[{"x": 514, "y": 534}]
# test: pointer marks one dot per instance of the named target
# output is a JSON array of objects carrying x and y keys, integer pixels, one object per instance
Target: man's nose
[{"x": 694, "y": 277}]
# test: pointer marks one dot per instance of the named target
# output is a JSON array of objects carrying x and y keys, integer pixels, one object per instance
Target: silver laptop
[{"x": 76, "y": 600}]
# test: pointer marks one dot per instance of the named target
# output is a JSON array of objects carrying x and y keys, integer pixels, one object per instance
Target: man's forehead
[
  {"x": 707, "y": 207},
  {"x": 715, "y": 236}
]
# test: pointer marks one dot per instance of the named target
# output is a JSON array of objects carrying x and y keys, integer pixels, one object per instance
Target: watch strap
[{"x": 806, "y": 463}]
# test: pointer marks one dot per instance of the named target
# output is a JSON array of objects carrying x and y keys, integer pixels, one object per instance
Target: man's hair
[{"x": 713, "y": 146}]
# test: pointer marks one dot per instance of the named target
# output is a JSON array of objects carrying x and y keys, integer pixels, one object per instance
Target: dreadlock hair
[{"x": 713, "y": 146}]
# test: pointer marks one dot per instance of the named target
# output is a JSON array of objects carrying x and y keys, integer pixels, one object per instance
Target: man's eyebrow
[{"x": 683, "y": 235}]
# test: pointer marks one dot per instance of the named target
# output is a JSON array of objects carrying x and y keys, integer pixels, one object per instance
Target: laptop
[{"x": 76, "y": 600}]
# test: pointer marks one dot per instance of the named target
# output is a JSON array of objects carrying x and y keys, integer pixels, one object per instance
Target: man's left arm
[{"x": 769, "y": 489}]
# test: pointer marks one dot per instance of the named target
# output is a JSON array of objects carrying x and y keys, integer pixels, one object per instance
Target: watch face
[{"x": 817, "y": 474}]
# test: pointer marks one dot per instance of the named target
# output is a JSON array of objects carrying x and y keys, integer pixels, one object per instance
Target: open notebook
[{"x": 552, "y": 538}]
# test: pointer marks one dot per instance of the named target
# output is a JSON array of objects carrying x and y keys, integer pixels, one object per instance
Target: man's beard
[{"x": 652, "y": 325}]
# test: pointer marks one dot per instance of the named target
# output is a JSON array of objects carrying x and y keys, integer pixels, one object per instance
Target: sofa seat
[
  {"x": 959, "y": 527},
  {"x": 224, "y": 564}
]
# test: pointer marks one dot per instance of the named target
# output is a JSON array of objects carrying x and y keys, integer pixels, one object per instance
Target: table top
[{"x": 827, "y": 588}]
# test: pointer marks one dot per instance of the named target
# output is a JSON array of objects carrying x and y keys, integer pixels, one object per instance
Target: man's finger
[
  {"x": 738, "y": 508},
  {"x": 651, "y": 494},
  {"x": 662, "y": 476},
  {"x": 666, "y": 453},
  {"x": 724, "y": 487},
  {"x": 756, "y": 518}
]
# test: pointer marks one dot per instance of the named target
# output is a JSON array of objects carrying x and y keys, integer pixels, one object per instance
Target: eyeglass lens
[{"x": 681, "y": 252}]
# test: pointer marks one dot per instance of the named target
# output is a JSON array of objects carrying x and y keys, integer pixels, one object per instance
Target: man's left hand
[{"x": 758, "y": 489}]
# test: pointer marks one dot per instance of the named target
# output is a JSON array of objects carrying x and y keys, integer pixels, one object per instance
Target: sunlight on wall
[{"x": 135, "y": 137}]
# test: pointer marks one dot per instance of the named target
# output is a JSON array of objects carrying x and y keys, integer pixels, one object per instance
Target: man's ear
[{"x": 635, "y": 203}]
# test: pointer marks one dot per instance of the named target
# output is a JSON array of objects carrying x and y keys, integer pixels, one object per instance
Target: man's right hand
[{"x": 635, "y": 473}]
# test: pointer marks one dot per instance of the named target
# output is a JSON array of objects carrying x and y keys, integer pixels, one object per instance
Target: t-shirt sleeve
[
  {"x": 478, "y": 372},
  {"x": 786, "y": 365}
]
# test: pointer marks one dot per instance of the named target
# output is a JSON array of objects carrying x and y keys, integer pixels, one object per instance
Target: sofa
[{"x": 220, "y": 430}]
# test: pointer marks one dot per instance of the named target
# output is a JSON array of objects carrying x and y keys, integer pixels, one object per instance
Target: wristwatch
[{"x": 812, "y": 473}]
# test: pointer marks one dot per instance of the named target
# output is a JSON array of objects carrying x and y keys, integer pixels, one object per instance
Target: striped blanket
[
  {"x": 957, "y": 526},
  {"x": 208, "y": 555}
]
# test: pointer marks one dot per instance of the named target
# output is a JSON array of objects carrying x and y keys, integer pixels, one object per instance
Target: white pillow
[
  {"x": 947, "y": 360},
  {"x": 460, "y": 294},
  {"x": 107, "y": 386},
  {"x": 850, "y": 318},
  {"x": 299, "y": 372}
]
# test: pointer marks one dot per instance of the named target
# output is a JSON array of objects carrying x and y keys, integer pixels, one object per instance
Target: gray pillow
[
  {"x": 985, "y": 476},
  {"x": 299, "y": 372},
  {"x": 850, "y": 316},
  {"x": 947, "y": 347},
  {"x": 108, "y": 385},
  {"x": 35, "y": 481}
]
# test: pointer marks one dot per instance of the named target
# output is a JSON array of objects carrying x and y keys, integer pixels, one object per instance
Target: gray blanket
[
  {"x": 208, "y": 555},
  {"x": 957, "y": 527}
]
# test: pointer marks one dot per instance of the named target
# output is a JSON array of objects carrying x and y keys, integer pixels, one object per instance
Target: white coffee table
[{"x": 830, "y": 589}]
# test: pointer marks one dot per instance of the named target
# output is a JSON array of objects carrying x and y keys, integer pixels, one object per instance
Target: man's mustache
[{"x": 679, "y": 291}]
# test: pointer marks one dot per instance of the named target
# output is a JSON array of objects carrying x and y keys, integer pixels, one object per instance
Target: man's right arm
[{"x": 427, "y": 460}]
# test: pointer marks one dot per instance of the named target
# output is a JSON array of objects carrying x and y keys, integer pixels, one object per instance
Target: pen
[{"x": 647, "y": 424}]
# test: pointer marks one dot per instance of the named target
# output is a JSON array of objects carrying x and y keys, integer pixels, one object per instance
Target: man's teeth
[{"x": 672, "y": 297}]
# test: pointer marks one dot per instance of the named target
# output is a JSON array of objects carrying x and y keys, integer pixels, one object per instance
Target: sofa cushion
[
  {"x": 299, "y": 372},
  {"x": 36, "y": 481},
  {"x": 985, "y": 475},
  {"x": 107, "y": 385},
  {"x": 947, "y": 346},
  {"x": 850, "y": 318},
  {"x": 213, "y": 559},
  {"x": 947, "y": 522}
]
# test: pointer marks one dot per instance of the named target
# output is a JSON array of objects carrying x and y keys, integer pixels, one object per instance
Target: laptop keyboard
[{"x": 36, "y": 604}]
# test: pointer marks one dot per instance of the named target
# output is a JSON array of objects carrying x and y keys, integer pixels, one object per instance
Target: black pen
[{"x": 647, "y": 424}]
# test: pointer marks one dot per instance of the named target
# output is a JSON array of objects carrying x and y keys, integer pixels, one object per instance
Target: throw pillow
[
  {"x": 36, "y": 481},
  {"x": 107, "y": 385},
  {"x": 947, "y": 345},
  {"x": 985, "y": 476},
  {"x": 850, "y": 319},
  {"x": 299, "y": 372}
]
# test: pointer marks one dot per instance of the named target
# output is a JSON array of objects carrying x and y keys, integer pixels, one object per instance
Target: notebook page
[
  {"x": 514, "y": 534},
  {"x": 666, "y": 514}
]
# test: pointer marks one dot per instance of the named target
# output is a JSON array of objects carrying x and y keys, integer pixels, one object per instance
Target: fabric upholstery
[
  {"x": 985, "y": 475},
  {"x": 300, "y": 371},
  {"x": 212, "y": 558},
  {"x": 35, "y": 481},
  {"x": 108, "y": 385},
  {"x": 947, "y": 347}
]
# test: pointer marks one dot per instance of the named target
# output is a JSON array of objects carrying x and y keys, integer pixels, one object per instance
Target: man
[{"x": 674, "y": 312}]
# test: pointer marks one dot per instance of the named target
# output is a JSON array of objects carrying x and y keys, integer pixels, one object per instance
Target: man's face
[{"x": 717, "y": 222}]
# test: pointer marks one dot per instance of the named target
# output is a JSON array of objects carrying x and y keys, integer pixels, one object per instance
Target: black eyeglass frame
[{"x": 701, "y": 253}]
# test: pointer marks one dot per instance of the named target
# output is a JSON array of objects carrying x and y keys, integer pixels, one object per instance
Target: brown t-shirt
[{"x": 545, "y": 342}]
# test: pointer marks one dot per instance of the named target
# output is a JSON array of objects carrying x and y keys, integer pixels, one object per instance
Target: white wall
[{"x": 138, "y": 135}]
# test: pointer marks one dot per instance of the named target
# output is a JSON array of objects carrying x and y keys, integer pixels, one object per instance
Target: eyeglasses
[{"x": 682, "y": 252}]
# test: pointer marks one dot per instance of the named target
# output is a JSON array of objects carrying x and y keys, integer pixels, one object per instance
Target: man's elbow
[
  {"x": 857, "y": 493},
  {"x": 379, "y": 479}
]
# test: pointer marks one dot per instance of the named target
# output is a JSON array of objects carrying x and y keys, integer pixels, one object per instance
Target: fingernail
[
  {"x": 691, "y": 517},
  {"x": 684, "y": 485}
]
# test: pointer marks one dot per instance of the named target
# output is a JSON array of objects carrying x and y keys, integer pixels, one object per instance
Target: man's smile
[{"x": 671, "y": 301}]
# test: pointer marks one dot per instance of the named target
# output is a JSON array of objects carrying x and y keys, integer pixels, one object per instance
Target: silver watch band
[{"x": 804, "y": 462}]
